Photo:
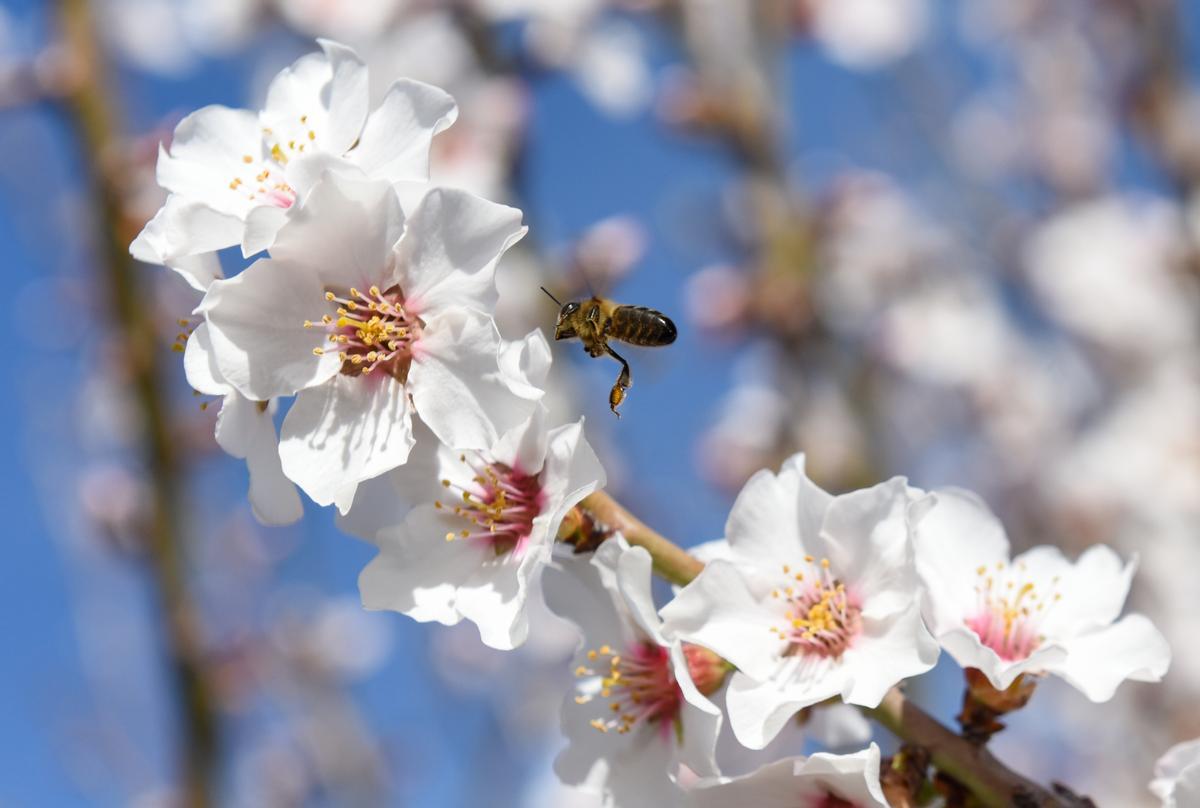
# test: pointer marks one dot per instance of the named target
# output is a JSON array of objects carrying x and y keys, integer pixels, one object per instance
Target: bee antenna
[{"x": 552, "y": 297}]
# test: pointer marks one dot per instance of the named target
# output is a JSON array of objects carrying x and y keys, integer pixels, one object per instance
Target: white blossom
[
  {"x": 485, "y": 526},
  {"x": 1177, "y": 776},
  {"x": 1036, "y": 613},
  {"x": 822, "y": 781},
  {"x": 638, "y": 709},
  {"x": 819, "y": 598},
  {"x": 235, "y": 176},
  {"x": 370, "y": 318}
]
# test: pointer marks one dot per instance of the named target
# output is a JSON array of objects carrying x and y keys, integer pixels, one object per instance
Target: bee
[{"x": 597, "y": 320}]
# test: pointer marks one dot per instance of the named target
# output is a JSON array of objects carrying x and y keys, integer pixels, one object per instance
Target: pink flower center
[
  {"x": 822, "y": 618},
  {"x": 831, "y": 800},
  {"x": 261, "y": 180},
  {"x": 1009, "y": 611},
  {"x": 500, "y": 504},
  {"x": 639, "y": 683},
  {"x": 370, "y": 331}
]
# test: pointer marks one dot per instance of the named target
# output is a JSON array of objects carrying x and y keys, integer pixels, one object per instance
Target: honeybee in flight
[{"x": 597, "y": 320}]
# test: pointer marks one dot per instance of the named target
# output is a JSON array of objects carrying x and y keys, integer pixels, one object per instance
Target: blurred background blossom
[{"x": 953, "y": 241}]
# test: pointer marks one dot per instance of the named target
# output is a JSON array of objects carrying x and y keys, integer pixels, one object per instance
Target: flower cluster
[{"x": 371, "y": 319}]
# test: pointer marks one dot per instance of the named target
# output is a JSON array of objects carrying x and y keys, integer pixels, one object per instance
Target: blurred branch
[{"x": 93, "y": 114}]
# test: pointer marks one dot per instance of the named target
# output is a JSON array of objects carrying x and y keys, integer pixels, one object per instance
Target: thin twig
[{"x": 92, "y": 112}]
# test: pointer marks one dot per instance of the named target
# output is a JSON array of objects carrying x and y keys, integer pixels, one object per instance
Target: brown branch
[
  {"x": 92, "y": 112},
  {"x": 671, "y": 562}
]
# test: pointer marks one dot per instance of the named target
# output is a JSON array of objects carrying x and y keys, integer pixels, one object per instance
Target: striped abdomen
[{"x": 639, "y": 325}]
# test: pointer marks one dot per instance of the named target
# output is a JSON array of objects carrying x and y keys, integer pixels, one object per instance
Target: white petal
[
  {"x": 384, "y": 501},
  {"x": 773, "y": 785},
  {"x": 634, "y": 575},
  {"x": 865, "y": 537},
  {"x": 344, "y": 233},
  {"x": 347, "y": 430},
  {"x": 455, "y": 377},
  {"x": 263, "y": 224},
  {"x": 838, "y": 725},
  {"x": 718, "y": 611},
  {"x": 524, "y": 446},
  {"x": 200, "y": 366},
  {"x": 449, "y": 252},
  {"x": 184, "y": 229},
  {"x": 759, "y": 710},
  {"x": 328, "y": 91},
  {"x": 886, "y": 653},
  {"x": 1098, "y": 662},
  {"x": 418, "y": 572},
  {"x": 207, "y": 152},
  {"x": 700, "y": 721},
  {"x": 1093, "y": 590},
  {"x": 571, "y": 470},
  {"x": 954, "y": 539},
  {"x": 854, "y": 778},
  {"x": 574, "y": 590},
  {"x": 245, "y": 429},
  {"x": 495, "y": 598},
  {"x": 964, "y": 645},
  {"x": 775, "y": 518},
  {"x": 396, "y": 139},
  {"x": 256, "y": 322}
]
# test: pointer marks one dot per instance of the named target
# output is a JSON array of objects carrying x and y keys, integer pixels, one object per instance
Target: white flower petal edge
[
  {"x": 236, "y": 176},
  {"x": 851, "y": 779},
  {"x": 626, "y": 750},
  {"x": 473, "y": 553},
  {"x": 814, "y": 597},
  {"x": 1039, "y": 613},
  {"x": 1177, "y": 776},
  {"x": 245, "y": 429},
  {"x": 369, "y": 320}
]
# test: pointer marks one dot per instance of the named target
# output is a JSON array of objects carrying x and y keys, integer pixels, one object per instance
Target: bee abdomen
[{"x": 639, "y": 325}]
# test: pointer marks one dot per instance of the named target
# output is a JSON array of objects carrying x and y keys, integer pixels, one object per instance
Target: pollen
[
  {"x": 639, "y": 685},
  {"x": 1009, "y": 610},
  {"x": 499, "y": 503},
  {"x": 822, "y": 618}
]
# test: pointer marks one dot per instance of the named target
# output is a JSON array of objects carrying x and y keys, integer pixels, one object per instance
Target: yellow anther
[{"x": 247, "y": 158}]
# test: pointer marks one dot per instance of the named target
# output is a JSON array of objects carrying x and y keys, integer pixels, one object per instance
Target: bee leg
[{"x": 624, "y": 382}]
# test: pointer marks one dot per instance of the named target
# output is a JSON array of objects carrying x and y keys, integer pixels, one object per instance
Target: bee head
[{"x": 564, "y": 328}]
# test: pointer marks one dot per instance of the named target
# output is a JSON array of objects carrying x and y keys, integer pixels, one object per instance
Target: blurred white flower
[
  {"x": 639, "y": 708},
  {"x": 397, "y": 326},
  {"x": 1038, "y": 613},
  {"x": 169, "y": 37},
  {"x": 1110, "y": 271},
  {"x": 339, "y": 19},
  {"x": 822, "y": 781},
  {"x": 1177, "y": 776},
  {"x": 235, "y": 175},
  {"x": 819, "y": 598},
  {"x": 485, "y": 527},
  {"x": 869, "y": 33}
]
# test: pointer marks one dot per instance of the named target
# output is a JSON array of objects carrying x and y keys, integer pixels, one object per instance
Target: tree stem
[
  {"x": 92, "y": 113},
  {"x": 670, "y": 561}
]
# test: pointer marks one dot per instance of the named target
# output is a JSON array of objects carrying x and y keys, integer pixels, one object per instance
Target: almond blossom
[
  {"x": 485, "y": 526},
  {"x": 818, "y": 598},
  {"x": 639, "y": 708},
  {"x": 1177, "y": 776},
  {"x": 245, "y": 429},
  {"x": 1038, "y": 613},
  {"x": 235, "y": 176},
  {"x": 820, "y": 781},
  {"x": 369, "y": 318}
]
